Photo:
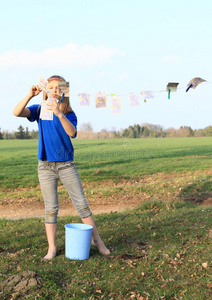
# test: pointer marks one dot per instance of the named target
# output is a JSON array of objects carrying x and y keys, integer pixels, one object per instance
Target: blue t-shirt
[{"x": 54, "y": 143}]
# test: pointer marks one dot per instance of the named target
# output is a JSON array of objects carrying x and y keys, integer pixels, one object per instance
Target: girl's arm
[
  {"x": 20, "y": 110},
  {"x": 67, "y": 125}
]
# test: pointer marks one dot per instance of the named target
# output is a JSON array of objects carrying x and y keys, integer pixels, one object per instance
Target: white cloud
[
  {"x": 70, "y": 54},
  {"x": 172, "y": 59}
]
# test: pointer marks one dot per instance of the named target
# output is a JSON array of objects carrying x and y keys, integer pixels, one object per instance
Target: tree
[
  {"x": 103, "y": 134},
  {"x": 153, "y": 133},
  {"x": 87, "y": 127},
  {"x": 208, "y": 131},
  {"x": 125, "y": 133},
  {"x": 20, "y": 134},
  {"x": 145, "y": 131},
  {"x": 199, "y": 132},
  {"x": 1, "y": 136},
  {"x": 34, "y": 134},
  {"x": 185, "y": 131},
  {"x": 27, "y": 135},
  {"x": 137, "y": 129}
]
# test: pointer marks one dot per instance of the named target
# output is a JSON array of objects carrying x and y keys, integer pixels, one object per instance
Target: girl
[{"x": 55, "y": 159}]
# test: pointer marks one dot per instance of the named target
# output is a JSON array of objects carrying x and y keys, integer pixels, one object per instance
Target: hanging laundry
[
  {"x": 193, "y": 83},
  {"x": 42, "y": 84},
  {"x": 147, "y": 95},
  {"x": 84, "y": 99},
  {"x": 100, "y": 100},
  {"x": 64, "y": 88},
  {"x": 134, "y": 100},
  {"x": 115, "y": 104}
]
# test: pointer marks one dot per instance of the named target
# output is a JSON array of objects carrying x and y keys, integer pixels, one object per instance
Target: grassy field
[
  {"x": 112, "y": 168},
  {"x": 109, "y": 159},
  {"x": 160, "y": 250}
]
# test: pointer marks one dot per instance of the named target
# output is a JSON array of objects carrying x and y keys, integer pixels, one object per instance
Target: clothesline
[
  {"x": 115, "y": 99},
  {"x": 158, "y": 91}
]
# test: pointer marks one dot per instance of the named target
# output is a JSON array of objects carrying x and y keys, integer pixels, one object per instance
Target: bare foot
[
  {"x": 51, "y": 254},
  {"x": 100, "y": 246}
]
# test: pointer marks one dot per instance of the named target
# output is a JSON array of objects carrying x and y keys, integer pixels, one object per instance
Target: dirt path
[
  {"x": 27, "y": 210},
  {"x": 16, "y": 213},
  {"x": 195, "y": 187}
]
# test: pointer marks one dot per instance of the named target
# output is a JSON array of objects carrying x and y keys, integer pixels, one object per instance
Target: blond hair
[{"x": 65, "y": 106}]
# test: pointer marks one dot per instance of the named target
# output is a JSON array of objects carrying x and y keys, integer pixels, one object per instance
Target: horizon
[{"x": 111, "y": 130}]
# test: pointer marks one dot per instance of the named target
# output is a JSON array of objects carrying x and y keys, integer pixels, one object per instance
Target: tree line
[
  {"x": 21, "y": 133},
  {"x": 136, "y": 131}
]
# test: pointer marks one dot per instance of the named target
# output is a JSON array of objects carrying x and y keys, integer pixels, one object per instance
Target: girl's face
[{"x": 53, "y": 88}]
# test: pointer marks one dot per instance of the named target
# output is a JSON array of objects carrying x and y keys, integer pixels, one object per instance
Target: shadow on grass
[{"x": 199, "y": 192}]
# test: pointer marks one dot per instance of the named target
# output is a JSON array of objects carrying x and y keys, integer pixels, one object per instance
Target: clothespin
[{"x": 171, "y": 87}]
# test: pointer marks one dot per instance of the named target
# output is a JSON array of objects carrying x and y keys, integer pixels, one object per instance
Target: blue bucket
[{"x": 77, "y": 240}]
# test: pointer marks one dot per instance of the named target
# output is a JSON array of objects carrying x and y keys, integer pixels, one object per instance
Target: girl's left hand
[{"x": 54, "y": 107}]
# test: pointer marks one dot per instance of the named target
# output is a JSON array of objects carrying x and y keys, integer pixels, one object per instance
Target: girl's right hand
[{"x": 34, "y": 90}]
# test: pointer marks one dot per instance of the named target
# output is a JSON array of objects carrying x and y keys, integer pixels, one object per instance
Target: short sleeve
[
  {"x": 35, "y": 112},
  {"x": 73, "y": 119}
]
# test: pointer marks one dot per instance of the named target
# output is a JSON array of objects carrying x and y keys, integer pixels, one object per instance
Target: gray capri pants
[{"x": 48, "y": 174}]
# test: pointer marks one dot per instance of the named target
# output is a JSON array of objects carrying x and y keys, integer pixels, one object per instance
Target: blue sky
[{"x": 116, "y": 47}]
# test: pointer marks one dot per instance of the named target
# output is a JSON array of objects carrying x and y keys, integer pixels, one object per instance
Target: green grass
[
  {"x": 114, "y": 159},
  {"x": 136, "y": 157},
  {"x": 18, "y": 159},
  {"x": 169, "y": 168},
  {"x": 158, "y": 252}
]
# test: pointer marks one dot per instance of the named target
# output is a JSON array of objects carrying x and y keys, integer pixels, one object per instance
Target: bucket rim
[{"x": 78, "y": 226}]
